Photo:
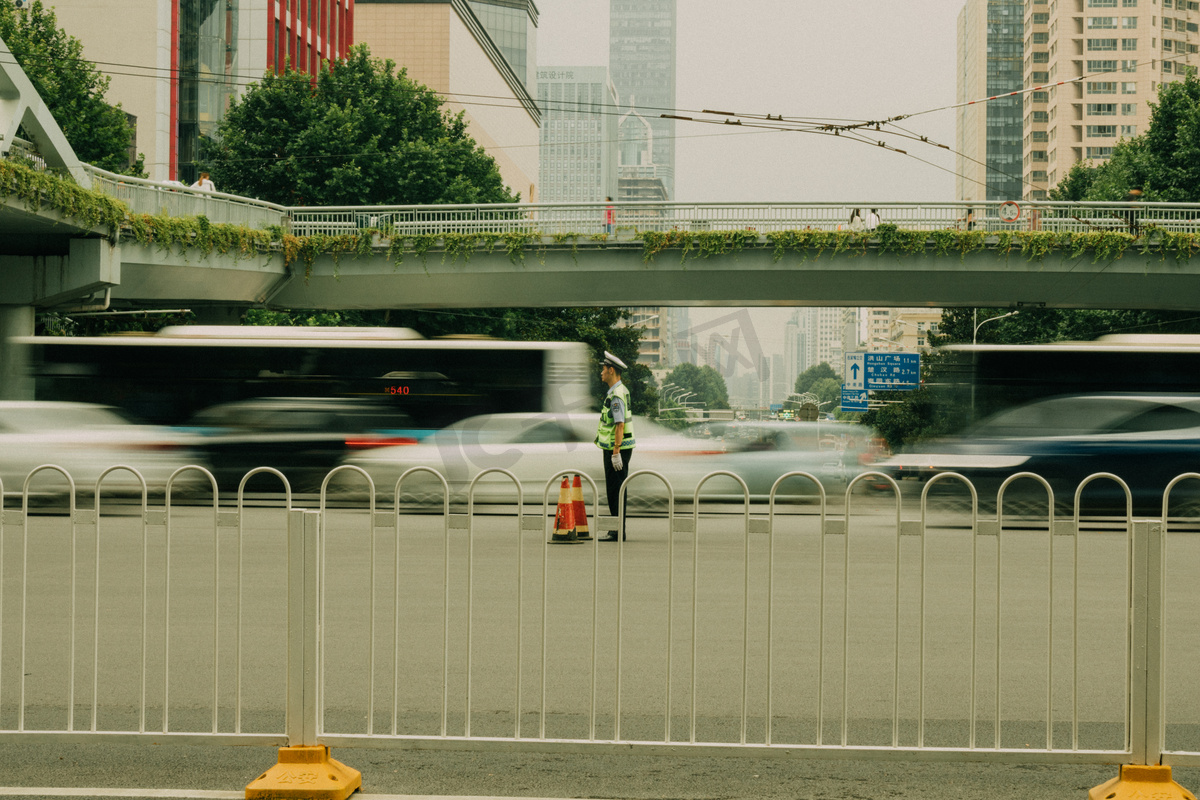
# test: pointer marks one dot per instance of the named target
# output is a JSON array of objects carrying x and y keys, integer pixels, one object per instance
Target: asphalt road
[{"x": 732, "y": 576}]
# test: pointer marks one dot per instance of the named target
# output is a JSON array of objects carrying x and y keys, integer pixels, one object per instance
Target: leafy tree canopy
[
  {"x": 805, "y": 380},
  {"x": 72, "y": 88},
  {"x": 707, "y": 384},
  {"x": 1164, "y": 161},
  {"x": 1043, "y": 325},
  {"x": 364, "y": 134}
]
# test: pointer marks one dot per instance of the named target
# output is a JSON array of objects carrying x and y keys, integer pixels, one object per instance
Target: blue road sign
[
  {"x": 853, "y": 376},
  {"x": 893, "y": 371},
  {"x": 854, "y": 399}
]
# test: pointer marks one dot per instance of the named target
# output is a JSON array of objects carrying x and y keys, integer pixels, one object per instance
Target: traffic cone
[
  {"x": 581, "y": 526},
  {"x": 564, "y": 519}
]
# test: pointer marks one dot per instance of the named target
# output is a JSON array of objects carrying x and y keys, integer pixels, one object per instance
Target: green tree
[
  {"x": 805, "y": 380},
  {"x": 72, "y": 88},
  {"x": 1044, "y": 325},
  {"x": 828, "y": 392},
  {"x": 908, "y": 417},
  {"x": 1164, "y": 161},
  {"x": 705, "y": 382},
  {"x": 362, "y": 135}
]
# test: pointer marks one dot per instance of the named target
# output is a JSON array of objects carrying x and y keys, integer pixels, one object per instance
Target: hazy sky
[{"x": 869, "y": 59}]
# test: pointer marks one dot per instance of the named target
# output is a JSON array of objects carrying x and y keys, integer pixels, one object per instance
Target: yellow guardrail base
[
  {"x": 1141, "y": 782},
  {"x": 305, "y": 772}
]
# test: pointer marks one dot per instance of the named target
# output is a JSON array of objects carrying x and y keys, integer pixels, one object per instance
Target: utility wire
[{"x": 765, "y": 122}]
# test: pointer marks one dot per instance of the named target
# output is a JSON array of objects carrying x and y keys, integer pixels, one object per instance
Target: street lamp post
[
  {"x": 975, "y": 315},
  {"x": 974, "y": 340}
]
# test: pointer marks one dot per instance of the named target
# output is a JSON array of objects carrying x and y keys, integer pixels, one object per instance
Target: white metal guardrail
[
  {"x": 849, "y": 625},
  {"x": 176, "y": 200},
  {"x": 129, "y": 622},
  {"x": 588, "y": 219}
]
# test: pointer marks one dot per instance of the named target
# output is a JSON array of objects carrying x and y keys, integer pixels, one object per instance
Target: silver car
[{"x": 85, "y": 440}]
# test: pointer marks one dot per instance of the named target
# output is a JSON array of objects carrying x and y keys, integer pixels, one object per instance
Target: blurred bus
[
  {"x": 995, "y": 377},
  {"x": 167, "y": 377}
]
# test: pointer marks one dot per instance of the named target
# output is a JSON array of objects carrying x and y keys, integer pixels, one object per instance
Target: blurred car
[
  {"x": 535, "y": 446},
  {"x": 85, "y": 439},
  {"x": 760, "y": 452},
  {"x": 1145, "y": 439},
  {"x": 302, "y": 437}
]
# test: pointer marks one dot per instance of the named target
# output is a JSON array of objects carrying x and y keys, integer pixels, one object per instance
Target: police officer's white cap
[{"x": 613, "y": 361}]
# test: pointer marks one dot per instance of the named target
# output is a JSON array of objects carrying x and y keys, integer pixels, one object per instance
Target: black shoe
[{"x": 611, "y": 536}]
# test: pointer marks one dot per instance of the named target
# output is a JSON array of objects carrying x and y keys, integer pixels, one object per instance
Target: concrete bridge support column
[{"x": 15, "y": 381}]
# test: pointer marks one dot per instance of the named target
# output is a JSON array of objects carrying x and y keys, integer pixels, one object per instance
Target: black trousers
[{"x": 614, "y": 479}]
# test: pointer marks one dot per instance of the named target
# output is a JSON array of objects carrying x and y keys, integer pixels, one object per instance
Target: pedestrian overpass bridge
[
  {"x": 66, "y": 242},
  {"x": 753, "y": 254}
]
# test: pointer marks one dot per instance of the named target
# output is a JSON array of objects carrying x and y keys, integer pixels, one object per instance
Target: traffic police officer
[{"x": 615, "y": 434}]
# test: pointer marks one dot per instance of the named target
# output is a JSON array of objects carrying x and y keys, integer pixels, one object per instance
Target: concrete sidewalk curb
[{"x": 185, "y": 794}]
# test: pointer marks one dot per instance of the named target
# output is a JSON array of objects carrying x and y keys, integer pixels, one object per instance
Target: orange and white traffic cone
[
  {"x": 564, "y": 520},
  {"x": 581, "y": 524}
]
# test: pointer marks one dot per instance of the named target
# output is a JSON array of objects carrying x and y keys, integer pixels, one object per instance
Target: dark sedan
[
  {"x": 1146, "y": 440},
  {"x": 303, "y": 437}
]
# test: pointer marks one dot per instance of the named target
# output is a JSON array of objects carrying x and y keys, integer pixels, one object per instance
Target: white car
[
  {"x": 536, "y": 446},
  {"x": 86, "y": 439}
]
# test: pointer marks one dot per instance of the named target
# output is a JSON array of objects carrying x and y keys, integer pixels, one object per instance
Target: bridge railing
[
  {"x": 590, "y": 219},
  {"x": 177, "y": 200},
  {"x": 25, "y": 152},
  {"x": 629, "y": 218}
]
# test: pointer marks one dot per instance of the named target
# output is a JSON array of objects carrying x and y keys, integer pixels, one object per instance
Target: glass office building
[
  {"x": 578, "y": 158},
  {"x": 990, "y": 57},
  {"x": 208, "y": 65},
  {"x": 641, "y": 49},
  {"x": 512, "y": 26}
]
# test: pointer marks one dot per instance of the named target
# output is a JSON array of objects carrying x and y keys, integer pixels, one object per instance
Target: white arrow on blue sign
[
  {"x": 856, "y": 372},
  {"x": 853, "y": 399}
]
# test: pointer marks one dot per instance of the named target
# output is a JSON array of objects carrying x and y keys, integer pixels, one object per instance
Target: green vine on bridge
[
  {"x": 42, "y": 190},
  {"x": 38, "y": 190}
]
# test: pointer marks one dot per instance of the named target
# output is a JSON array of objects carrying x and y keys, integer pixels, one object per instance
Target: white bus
[{"x": 168, "y": 376}]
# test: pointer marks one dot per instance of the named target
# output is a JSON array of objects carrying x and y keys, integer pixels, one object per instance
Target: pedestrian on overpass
[
  {"x": 1131, "y": 215},
  {"x": 204, "y": 183},
  {"x": 615, "y": 435}
]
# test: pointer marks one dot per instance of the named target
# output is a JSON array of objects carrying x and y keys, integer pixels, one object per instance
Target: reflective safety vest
[{"x": 606, "y": 435}]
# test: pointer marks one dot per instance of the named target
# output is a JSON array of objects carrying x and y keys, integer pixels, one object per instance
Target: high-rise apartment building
[
  {"x": 186, "y": 59},
  {"x": 910, "y": 329},
  {"x": 793, "y": 345},
  {"x": 579, "y": 135},
  {"x": 655, "y": 346},
  {"x": 780, "y": 388},
  {"x": 641, "y": 47},
  {"x": 1120, "y": 51},
  {"x": 990, "y": 63},
  {"x": 811, "y": 337},
  {"x": 878, "y": 329},
  {"x": 851, "y": 338}
]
